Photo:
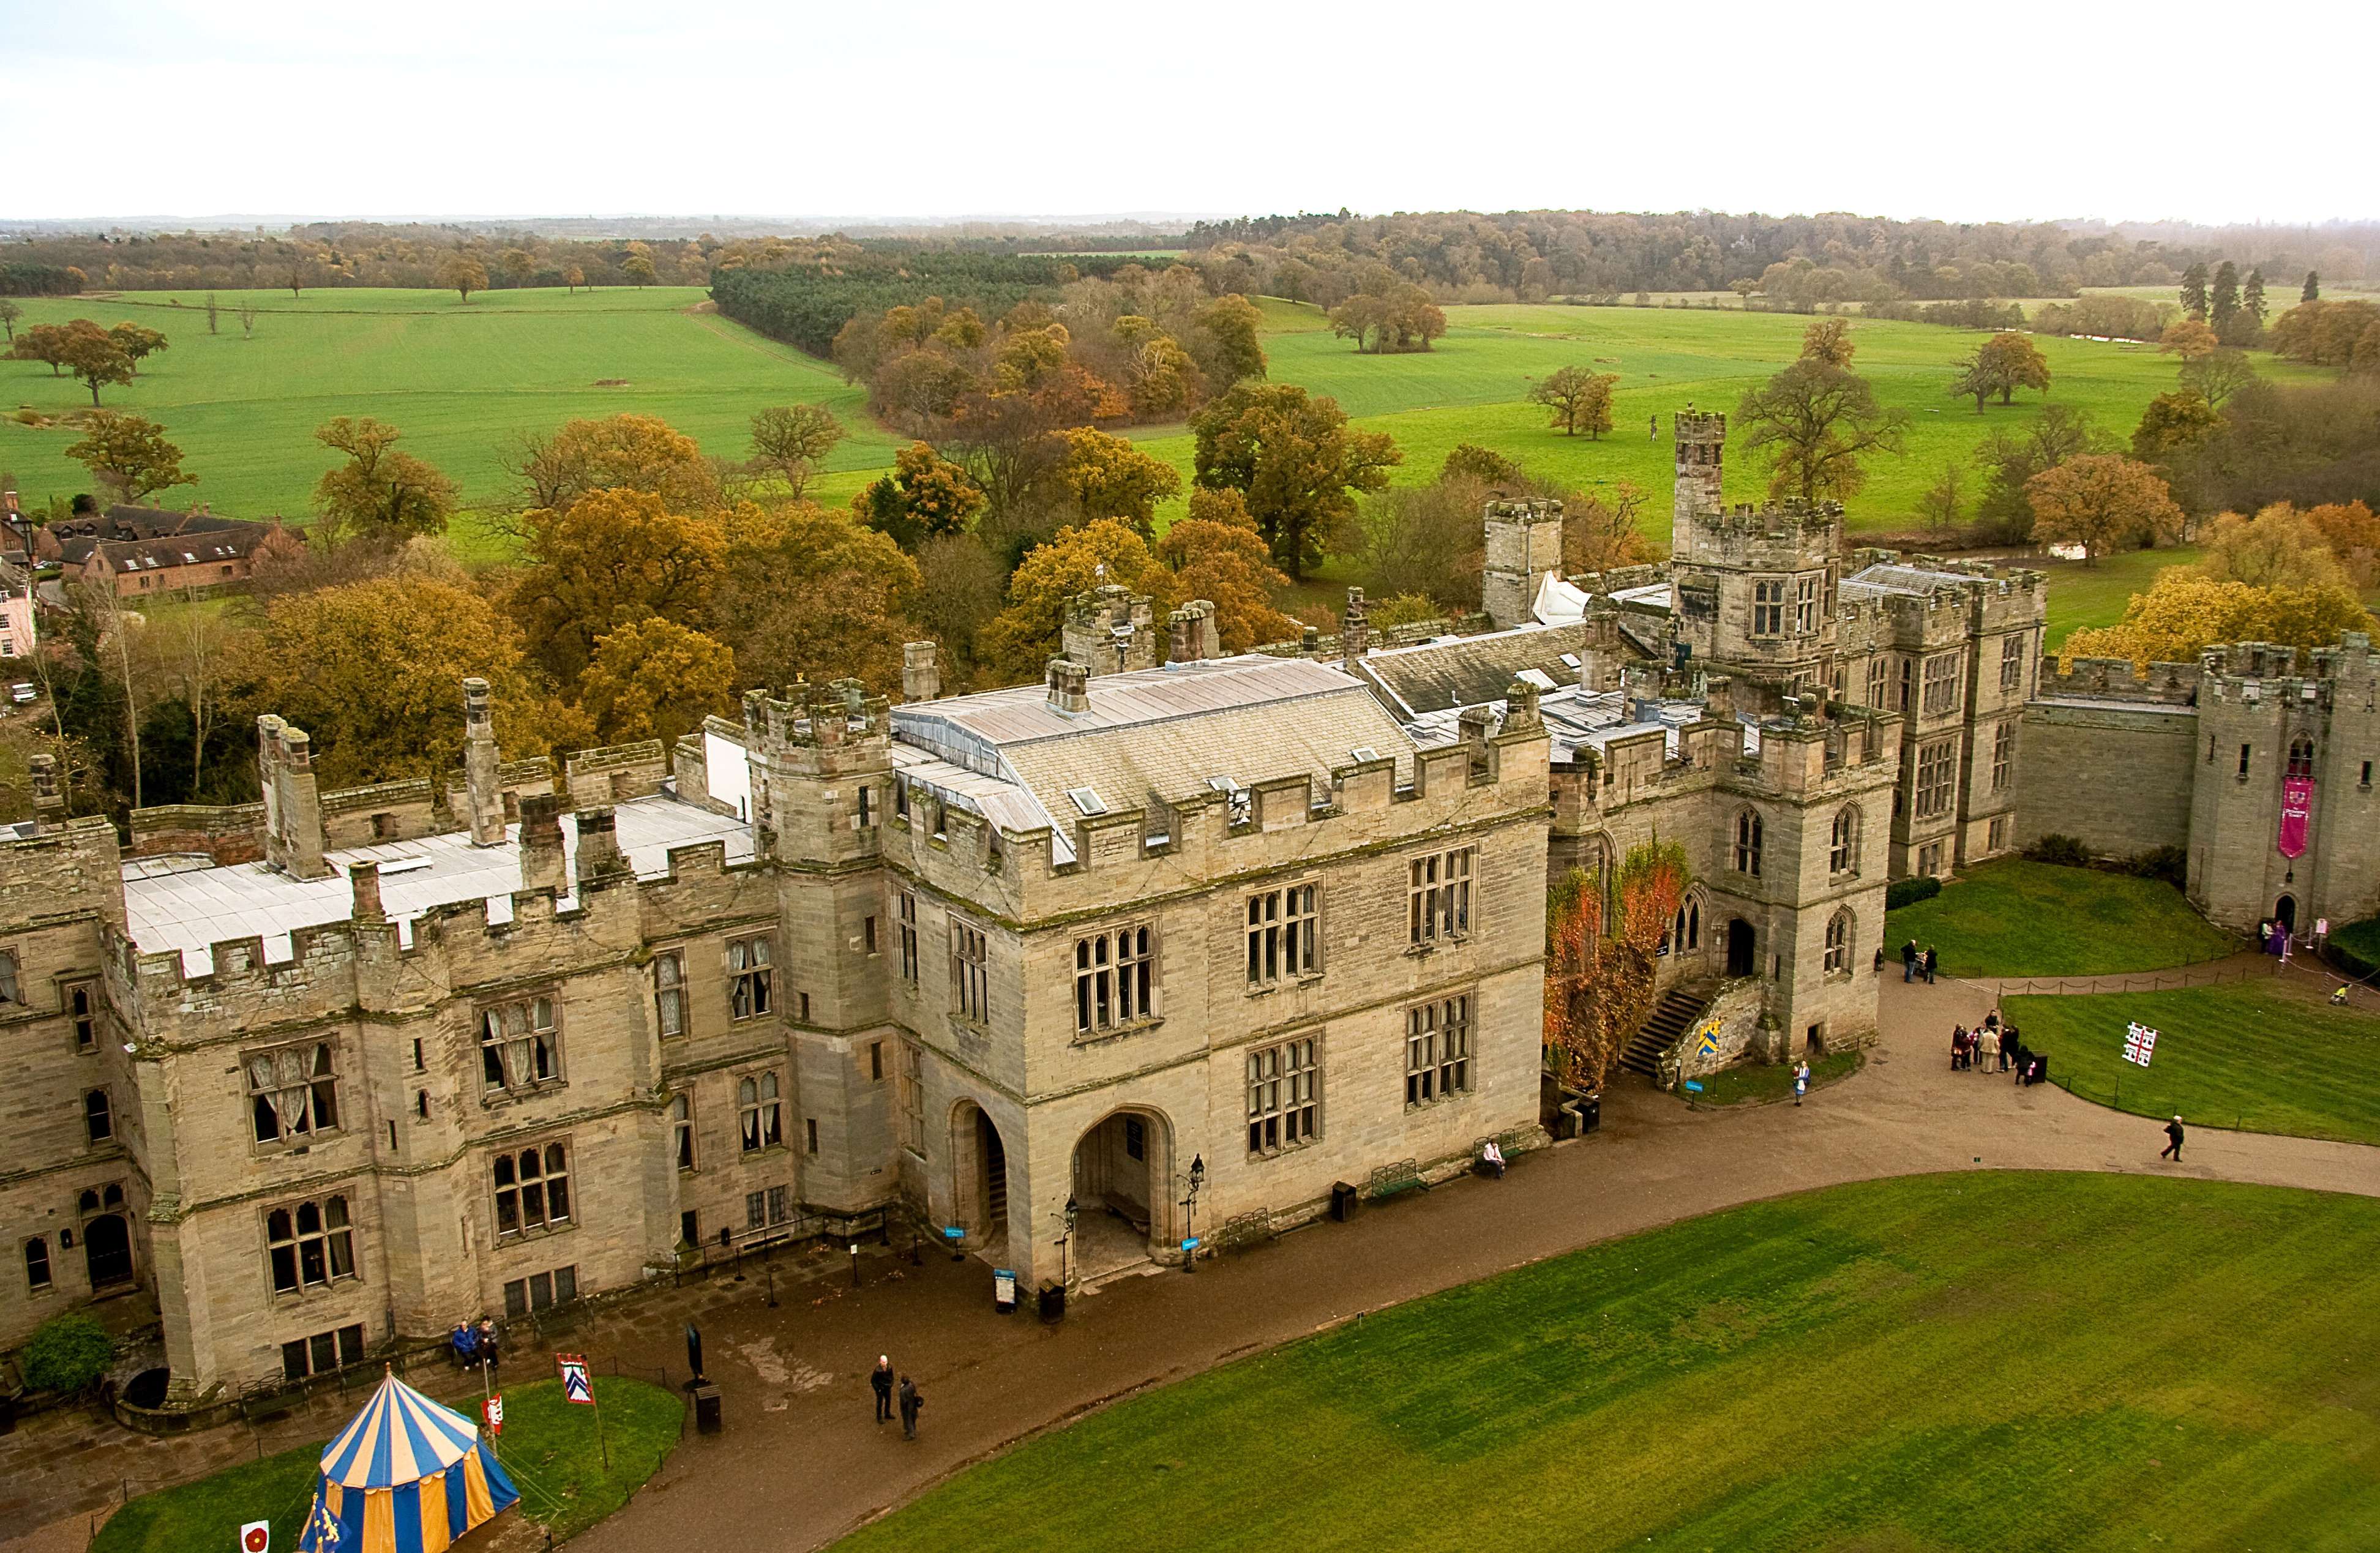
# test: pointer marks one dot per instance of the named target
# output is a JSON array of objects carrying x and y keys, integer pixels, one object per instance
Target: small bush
[
  {"x": 1406, "y": 609},
  {"x": 2067, "y": 852},
  {"x": 67, "y": 1353},
  {"x": 1909, "y": 891},
  {"x": 2170, "y": 864}
]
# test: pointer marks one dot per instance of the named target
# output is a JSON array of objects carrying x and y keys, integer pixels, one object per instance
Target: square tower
[
  {"x": 1524, "y": 541},
  {"x": 1701, "y": 439}
]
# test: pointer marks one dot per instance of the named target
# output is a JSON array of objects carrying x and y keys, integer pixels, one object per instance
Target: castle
[{"x": 1170, "y": 945}]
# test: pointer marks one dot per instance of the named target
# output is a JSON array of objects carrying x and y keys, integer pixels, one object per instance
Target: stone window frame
[
  {"x": 910, "y": 1097},
  {"x": 2012, "y": 657},
  {"x": 291, "y": 1241},
  {"x": 751, "y": 969},
  {"x": 970, "y": 949},
  {"x": 1929, "y": 860},
  {"x": 553, "y": 1165},
  {"x": 759, "y": 1111},
  {"x": 1684, "y": 935},
  {"x": 1937, "y": 777},
  {"x": 770, "y": 1207},
  {"x": 1285, "y": 1095},
  {"x": 669, "y": 992},
  {"x": 1768, "y": 597},
  {"x": 1996, "y": 834},
  {"x": 1879, "y": 681},
  {"x": 1438, "y": 903},
  {"x": 905, "y": 932},
  {"x": 1805, "y": 604},
  {"x": 1843, "y": 842},
  {"x": 322, "y": 1352},
  {"x": 1283, "y": 928},
  {"x": 99, "y": 1117},
  {"x": 2300, "y": 766},
  {"x": 557, "y": 1286},
  {"x": 1749, "y": 835},
  {"x": 40, "y": 1276},
  {"x": 1115, "y": 979},
  {"x": 527, "y": 1056},
  {"x": 1843, "y": 933},
  {"x": 81, "y": 1001},
  {"x": 681, "y": 1138},
  {"x": 1939, "y": 697},
  {"x": 2003, "y": 755},
  {"x": 12, "y": 987},
  {"x": 1437, "y": 1049},
  {"x": 315, "y": 1089}
]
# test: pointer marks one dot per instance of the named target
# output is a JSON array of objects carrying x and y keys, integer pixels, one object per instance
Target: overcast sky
[{"x": 2084, "y": 108}]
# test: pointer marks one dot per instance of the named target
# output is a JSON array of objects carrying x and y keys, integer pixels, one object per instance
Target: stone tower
[
  {"x": 1110, "y": 630},
  {"x": 1524, "y": 541},
  {"x": 1700, "y": 439}
]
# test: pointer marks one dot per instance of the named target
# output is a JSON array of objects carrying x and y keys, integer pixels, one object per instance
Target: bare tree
[{"x": 247, "y": 321}]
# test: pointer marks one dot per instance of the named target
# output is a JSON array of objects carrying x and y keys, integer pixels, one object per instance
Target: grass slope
[
  {"x": 2014, "y": 1362},
  {"x": 2016, "y": 918},
  {"x": 2250, "y": 1054},
  {"x": 549, "y": 1447}
]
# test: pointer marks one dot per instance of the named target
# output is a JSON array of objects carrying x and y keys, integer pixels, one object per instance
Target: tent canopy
[
  {"x": 401, "y": 1437},
  {"x": 407, "y": 1476}
]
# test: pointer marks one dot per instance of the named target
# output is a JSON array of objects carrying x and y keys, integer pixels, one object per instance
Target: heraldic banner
[{"x": 2297, "y": 805}]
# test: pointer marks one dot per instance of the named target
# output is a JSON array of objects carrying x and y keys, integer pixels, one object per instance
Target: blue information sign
[
  {"x": 954, "y": 1233},
  {"x": 1191, "y": 1244},
  {"x": 1692, "y": 1088}
]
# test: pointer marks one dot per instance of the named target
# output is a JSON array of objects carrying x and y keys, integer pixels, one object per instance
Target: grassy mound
[
  {"x": 2247, "y": 1054},
  {"x": 549, "y": 1447},
  {"x": 2006, "y": 1361},
  {"x": 2015, "y": 918}
]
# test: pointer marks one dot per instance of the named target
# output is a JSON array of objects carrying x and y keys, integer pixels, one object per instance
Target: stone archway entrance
[
  {"x": 2285, "y": 911},
  {"x": 1740, "y": 957},
  {"x": 980, "y": 1178},
  {"x": 107, "y": 1249},
  {"x": 1123, "y": 1173}
]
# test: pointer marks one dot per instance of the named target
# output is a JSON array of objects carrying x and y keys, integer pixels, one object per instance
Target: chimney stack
[
  {"x": 1187, "y": 629},
  {"x": 1354, "y": 632},
  {"x": 481, "y": 781},
  {"x": 598, "y": 846},
  {"x": 364, "y": 880},
  {"x": 49, "y": 806},
  {"x": 293, "y": 808},
  {"x": 921, "y": 676},
  {"x": 542, "y": 862},
  {"x": 1069, "y": 686}
]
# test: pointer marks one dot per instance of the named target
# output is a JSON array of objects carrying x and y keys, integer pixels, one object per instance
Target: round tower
[{"x": 1700, "y": 438}]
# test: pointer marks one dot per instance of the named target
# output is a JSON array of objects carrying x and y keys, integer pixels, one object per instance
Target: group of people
[
  {"x": 880, "y": 1380},
  {"x": 1988, "y": 1046},
  {"x": 475, "y": 1345},
  {"x": 1916, "y": 961}
]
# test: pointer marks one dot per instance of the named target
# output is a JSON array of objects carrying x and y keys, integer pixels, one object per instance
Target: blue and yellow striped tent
[{"x": 407, "y": 1475}]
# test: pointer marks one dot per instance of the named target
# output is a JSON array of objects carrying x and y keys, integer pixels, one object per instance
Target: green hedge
[
  {"x": 2357, "y": 945},
  {"x": 67, "y": 1353},
  {"x": 1909, "y": 891}
]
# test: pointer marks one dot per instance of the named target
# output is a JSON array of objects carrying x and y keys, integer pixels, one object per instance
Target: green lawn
[
  {"x": 2084, "y": 595},
  {"x": 1759, "y": 1083},
  {"x": 2013, "y": 1361},
  {"x": 2016, "y": 918},
  {"x": 549, "y": 1447},
  {"x": 2241, "y": 1055},
  {"x": 464, "y": 379}
]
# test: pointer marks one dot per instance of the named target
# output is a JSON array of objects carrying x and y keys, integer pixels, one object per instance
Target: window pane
[
  {"x": 285, "y": 1270},
  {"x": 516, "y": 1297}
]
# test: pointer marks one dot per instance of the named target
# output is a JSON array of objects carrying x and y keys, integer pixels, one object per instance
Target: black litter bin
[
  {"x": 2040, "y": 1068},
  {"x": 1053, "y": 1303},
  {"x": 1590, "y": 1114},
  {"x": 706, "y": 1409},
  {"x": 1343, "y": 1199},
  {"x": 1568, "y": 1123}
]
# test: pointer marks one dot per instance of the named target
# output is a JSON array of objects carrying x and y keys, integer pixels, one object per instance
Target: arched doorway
[
  {"x": 1740, "y": 958},
  {"x": 980, "y": 1177},
  {"x": 2285, "y": 911},
  {"x": 1123, "y": 1169},
  {"x": 107, "y": 1249}
]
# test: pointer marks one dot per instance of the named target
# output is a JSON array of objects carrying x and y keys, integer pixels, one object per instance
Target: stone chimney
[
  {"x": 1354, "y": 633},
  {"x": 481, "y": 780},
  {"x": 542, "y": 862},
  {"x": 1521, "y": 710},
  {"x": 1310, "y": 645},
  {"x": 293, "y": 808},
  {"x": 921, "y": 677},
  {"x": 363, "y": 878},
  {"x": 1192, "y": 633},
  {"x": 1069, "y": 686},
  {"x": 598, "y": 846},
  {"x": 49, "y": 804}
]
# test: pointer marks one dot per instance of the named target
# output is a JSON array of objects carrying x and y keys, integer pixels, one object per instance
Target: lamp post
[
  {"x": 1067, "y": 1247},
  {"x": 1190, "y": 1213}
]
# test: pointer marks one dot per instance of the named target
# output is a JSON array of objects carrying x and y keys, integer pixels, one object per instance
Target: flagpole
[{"x": 602, "y": 1447}]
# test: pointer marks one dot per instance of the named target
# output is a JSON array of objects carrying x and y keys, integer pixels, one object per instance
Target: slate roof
[
  {"x": 1909, "y": 582},
  {"x": 1467, "y": 670},
  {"x": 125, "y": 534}
]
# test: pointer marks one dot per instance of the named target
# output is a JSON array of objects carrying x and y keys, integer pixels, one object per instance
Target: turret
[{"x": 1700, "y": 441}]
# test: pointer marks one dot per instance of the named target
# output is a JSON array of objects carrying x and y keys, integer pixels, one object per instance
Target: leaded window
[
  {"x": 905, "y": 930},
  {"x": 1283, "y": 1088},
  {"x": 293, "y": 1092},
  {"x": 761, "y": 1114},
  {"x": 1747, "y": 844},
  {"x": 1937, "y": 765},
  {"x": 970, "y": 972},
  {"x": 519, "y": 1048},
  {"x": 1838, "y": 942},
  {"x": 747, "y": 970},
  {"x": 309, "y": 1245},
  {"x": 1842, "y": 845},
  {"x": 1439, "y": 896},
  {"x": 532, "y": 1189},
  {"x": 1112, "y": 978},
  {"x": 1768, "y": 608},
  {"x": 669, "y": 992},
  {"x": 1437, "y": 1049},
  {"x": 1284, "y": 933},
  {"x": 2003, "y": 756},
  {"x": 1941, "y": 684}
]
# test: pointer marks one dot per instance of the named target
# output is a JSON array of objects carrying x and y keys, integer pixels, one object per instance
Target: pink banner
[{"x": 2297, "y": 804}]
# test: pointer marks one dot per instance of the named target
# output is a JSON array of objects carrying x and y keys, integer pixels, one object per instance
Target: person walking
[
  {"x": 1932, "y": 960},
  {"x": 880, "y": 1380},
  {"x": 1909, "y": 960},
  {"x": 1653, "y": 426},
  {"x": 910, "y": 1403},
  {"x": 1958, "y": 1047},
  {"x": 1801, "y": 1081},
  {"x": 2173, "y": 1131},
  {"x": 1987, "y": 1049},
  {"x": 2008, "y": 1047}
]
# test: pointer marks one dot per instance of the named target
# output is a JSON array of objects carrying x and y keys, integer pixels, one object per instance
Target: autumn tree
[
  {"x": 1815, "y": 424},
  {"x": 41, "y": 341},
  {"x": 93, "y": 356},
  {"x": 2352, "y": 531},
  {"x": 2187, "y": 337},
  {"x": 1024, "y": 636},
  {"x": 1604, "y": 528},
  {"x": 371, "y": 671},
  {"x": 10, "y": 312},
  {"x": 2173, "y": 424},
  {"x": 1108, "y": 477},
  {"x": 618, "y": 453},
  {"x": 463, "y": 275},
  {"x": 639, "y": 270},
  {"x": 2279, "y": 547},
  {"x": 2011, "y": 456},
  {"x": 608, "y": 559},
  {"x": 1599, "y": 987},
  {"x": 2184, "y": 610},
  {"x": 924, "y": 496},
  {"x": 2003, "y": 364},
  {"x": 137, "y": 342},
  {"x": 1828, "y": 342},
  {"x": 1293, "y": 460},
  {"x": 517, "y": 265},
  {"x": 2218, "y": 374},
  {"x": 1217, "y": 554},
  {"x": 1484, "y": 466},
  {"x": 572, "y": 279},
  {"x": 128, "y": 454},
  {"x": 816, "y": 596},
  {"x": 793, "y": 440},
  {"x": 1944, "y": 501},
  {"x": 378, "y": 491},
  {"x": 1580, "y": 399},
  {"x": 1231, "y": 323},
  {"x": 655, "y": 679},
  {"x": 2102, "y": 501}
]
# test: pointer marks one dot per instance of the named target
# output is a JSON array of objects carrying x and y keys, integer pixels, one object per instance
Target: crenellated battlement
[
  {"x": 2115, "y": 679},
  {"x": 814, "y": 716},
  {"x": 1110, "y": 630}
]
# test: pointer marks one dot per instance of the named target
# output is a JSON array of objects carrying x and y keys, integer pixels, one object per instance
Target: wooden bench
[{"x": 1389, "y": 1179}]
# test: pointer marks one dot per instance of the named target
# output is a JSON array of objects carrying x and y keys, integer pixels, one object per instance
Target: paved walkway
[{"x": 800, "y": 1463}]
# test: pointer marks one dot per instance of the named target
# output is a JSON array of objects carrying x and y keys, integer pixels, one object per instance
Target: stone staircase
[{"x": 1674, "y": 1015}]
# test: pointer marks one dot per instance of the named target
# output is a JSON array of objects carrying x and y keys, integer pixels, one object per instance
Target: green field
[
  {"x": 2013, "y": 1361},
  {"x": 1760, "y": 1082},
  {"x": 549, "y": 1447},
  {"x": 463, "y": 378},
  {"x": 2246, "y": 1054},
  {"x": 2016, "y": 918}
]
